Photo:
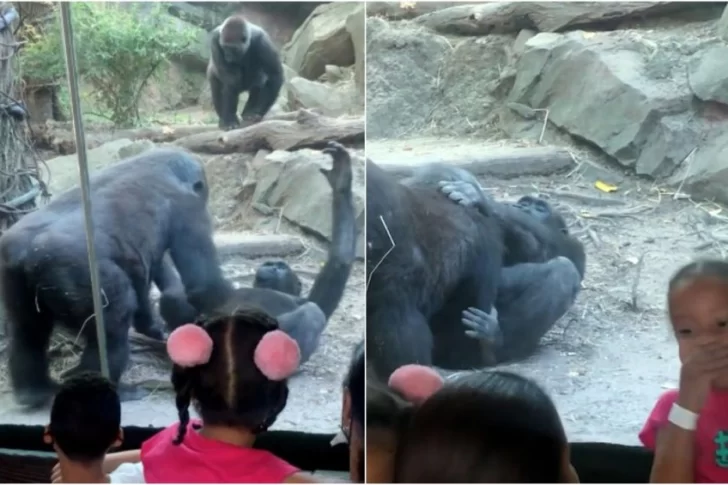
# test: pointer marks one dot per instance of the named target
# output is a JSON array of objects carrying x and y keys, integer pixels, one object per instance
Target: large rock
[
  {"x": 292, "y": 181},
  {"x": 322, "y": 39},
  {"x": 402, "y": 66},
  {"x": 330, "y": 100},
  {"x": 705, "y": 174},
  {"x": 356, "y": 28},
  {"x": 626, "y": 96},
  {"x": 722, "y": 25},
  {"x": 708, "y": 74},
  {"x": 64, "y": 170}
]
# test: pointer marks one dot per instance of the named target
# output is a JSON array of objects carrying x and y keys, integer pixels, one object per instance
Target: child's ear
[
  {"x": 119, "y": 439},
  {"x": 47, "y": 438}
]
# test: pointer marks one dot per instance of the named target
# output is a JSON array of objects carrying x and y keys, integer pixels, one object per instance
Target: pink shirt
[
  {"x": 711, "y": 435},
  {"x": 202, "y": 460}
]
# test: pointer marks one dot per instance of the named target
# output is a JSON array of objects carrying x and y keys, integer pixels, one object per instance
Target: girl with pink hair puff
[{"x": 234, "y": 371}]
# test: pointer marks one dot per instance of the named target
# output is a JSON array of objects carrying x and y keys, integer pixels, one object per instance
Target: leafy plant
[{"x": 119, "y": 47}]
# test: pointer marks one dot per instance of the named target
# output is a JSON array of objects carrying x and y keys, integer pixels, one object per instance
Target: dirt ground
[
  {"x": 314, "y": 402},
  {"x": 606, "y": 361}
]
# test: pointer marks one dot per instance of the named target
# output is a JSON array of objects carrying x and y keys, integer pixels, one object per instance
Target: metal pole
[{"x": 71, "y": 72}]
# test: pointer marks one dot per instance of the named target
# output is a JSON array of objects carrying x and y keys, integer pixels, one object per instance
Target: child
[
  {"x": 688, "y": 427},
  {"x": 480, "y": 427},
  {"x": 352, "y": 414},
  {"x": 233, "y": 370},
  {"x": 85, "y": 424}
]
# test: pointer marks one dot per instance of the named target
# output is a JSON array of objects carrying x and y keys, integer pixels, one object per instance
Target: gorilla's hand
[
  {"x": 340, "y": 175},
  {"x": 463, "y": 193},
  {"x": 483, "y": 326}
]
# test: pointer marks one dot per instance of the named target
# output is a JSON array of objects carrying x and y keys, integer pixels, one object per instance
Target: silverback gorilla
[
  {"x": 142, "y": 207},
  {"x": 243, "y": 59},
  {"x": 277, "y": 288},
  {"x": 428, "y": 260}
]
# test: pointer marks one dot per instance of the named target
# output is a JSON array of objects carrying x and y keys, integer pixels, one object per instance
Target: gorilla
[
  {"x": 243, "y": 59},
  {"x": 142, "y": 207},
  {"x": 277, "y": 288},
  {"x": 543, "y": 268},
  {"x": 428, "y": 260}
]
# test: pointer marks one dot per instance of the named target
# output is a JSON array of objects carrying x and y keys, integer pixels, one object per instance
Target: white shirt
[{"x": 128, "y": 473}]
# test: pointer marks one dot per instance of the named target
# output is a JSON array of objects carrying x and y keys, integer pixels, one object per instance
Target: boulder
[
  {"x": 64, "y": 170},
  {"x": 356, "y": 28},
  {"x": 292, "y": 181},
  {"x": 330, "y": 100},
  {"x": 722, "y": 25},
  {"x": 625, "y": 95},
  {"x": 708, "y": 74},
  {"x": 705, "y": 174},
  {"x": 402, "y": 66},
  {"x": 322, "y": 39}
]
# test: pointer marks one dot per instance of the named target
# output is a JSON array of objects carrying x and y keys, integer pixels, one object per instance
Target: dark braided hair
[{"x": 229, "y": 390}]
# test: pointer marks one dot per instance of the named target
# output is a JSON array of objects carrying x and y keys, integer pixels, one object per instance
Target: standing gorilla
[
  {"x": 428, "y": 260},
  {"x": 142, "y": 207},
  {"x": 243, "y": 59},
  {"x": 277, "y": 288}
]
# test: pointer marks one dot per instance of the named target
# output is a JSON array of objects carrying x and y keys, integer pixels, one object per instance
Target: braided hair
[{"x": 230, "y": 390}]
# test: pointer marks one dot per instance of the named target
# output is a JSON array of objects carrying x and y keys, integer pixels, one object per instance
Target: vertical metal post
[{"x": 72, "y": 73}]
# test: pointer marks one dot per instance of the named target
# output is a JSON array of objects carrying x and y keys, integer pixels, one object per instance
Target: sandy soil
[
  {"x": 314, "y": 402},
  {"x": 606, "y": 361}
]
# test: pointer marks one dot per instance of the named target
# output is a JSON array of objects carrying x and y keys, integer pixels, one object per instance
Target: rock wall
[{"x": 644, "y": 84}]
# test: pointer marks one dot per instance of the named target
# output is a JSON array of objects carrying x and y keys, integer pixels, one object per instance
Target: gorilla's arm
[
  {"x": 262, "y": 98},
  {"x": 195, "y": 257},
  {"x": 523, "y": 238},
  {"x": 531, "y": 298},
  {"x": 330, "y": 283},
  {"x": 304, "y": 325}
]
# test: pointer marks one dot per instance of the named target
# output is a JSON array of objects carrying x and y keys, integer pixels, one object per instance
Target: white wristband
[{"x": 682, "y": 418}]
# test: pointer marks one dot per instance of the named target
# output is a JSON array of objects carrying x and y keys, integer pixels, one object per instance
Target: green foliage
[{"x": 119, "y": 47}]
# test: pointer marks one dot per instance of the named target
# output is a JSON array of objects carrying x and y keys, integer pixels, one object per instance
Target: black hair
[
  {"x": 230, "y": 390},
  {"x": 85, "y": 417},
  {"x": 704, "y": 268},
  {"x": 354, "y": 382},
  {"x": 481, "y": 427}
]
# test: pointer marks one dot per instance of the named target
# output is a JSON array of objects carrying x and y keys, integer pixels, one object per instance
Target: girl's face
[{"x": 699, "y": 315}]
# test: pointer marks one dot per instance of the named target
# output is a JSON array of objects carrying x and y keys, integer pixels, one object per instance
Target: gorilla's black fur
[
  {"x": 427, "y": 261},
  {"x": 277, "y": 288},
  {"x": 142, "y": 207},
  {"x": 543, "y": 268}
]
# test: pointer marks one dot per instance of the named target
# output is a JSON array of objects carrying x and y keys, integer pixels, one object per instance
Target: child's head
[
  {"x": 698, "y": 305},
  {"x": 85, "y": 419},
  {"x": 352, "y": 414},
  {"x": 480, "y": 427},
  {"x": 234, "y": 369}
]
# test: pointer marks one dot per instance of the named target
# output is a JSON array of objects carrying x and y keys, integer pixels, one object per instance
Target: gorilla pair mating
[
  {"x": 243, "y": 58},
  {"x": 457, "y": 280},
  {"x": 143, "y": 208}
]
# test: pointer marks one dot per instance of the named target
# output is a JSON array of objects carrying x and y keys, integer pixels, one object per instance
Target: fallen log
[
  {"x": 59, "y": 136},
  {"x": 512, "y": 17},
  {"x": 250, "y": 246},
  {"x": 497, "y": 162},
  {"x": 407, "y": 10},
  {"x": 307, "y": 130}
]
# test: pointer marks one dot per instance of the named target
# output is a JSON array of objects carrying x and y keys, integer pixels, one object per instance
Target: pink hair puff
[
  {"x": 277, "y": 355},
  {"x": 189, "y": 346},
  {"x": 415, "y": 382}
]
